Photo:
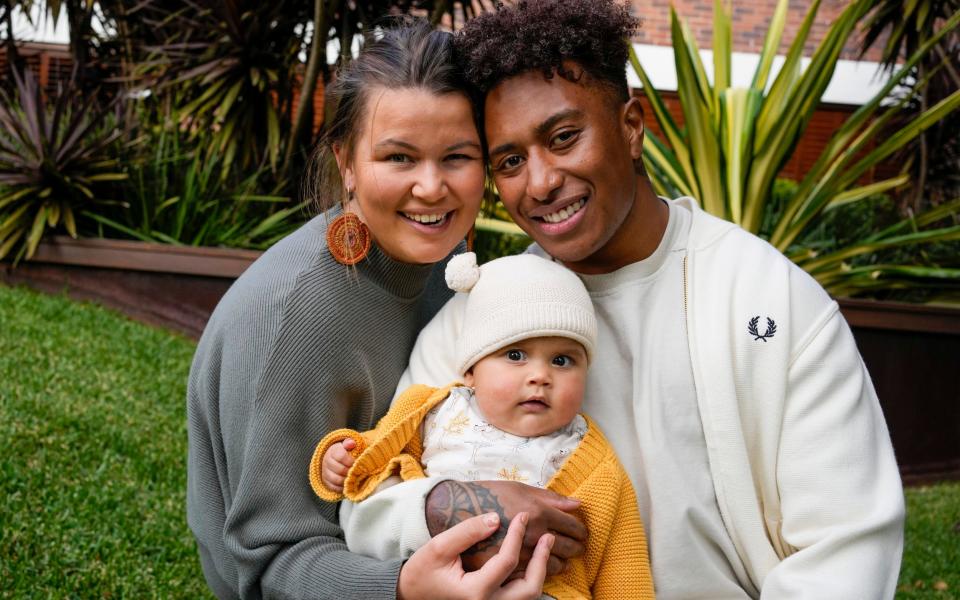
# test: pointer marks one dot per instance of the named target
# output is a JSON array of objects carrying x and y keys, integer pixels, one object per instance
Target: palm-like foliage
[
  {"x": 53, "y": 156},
  {"x": 736, "y": 140},
  {"x": 235, "y": 63},
  {"x": 908, "y": 23},
  {"x": 933, "y": 159}
]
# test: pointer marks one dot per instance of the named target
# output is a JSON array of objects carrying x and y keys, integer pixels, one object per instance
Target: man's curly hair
[{"x": 541, "y": 34}]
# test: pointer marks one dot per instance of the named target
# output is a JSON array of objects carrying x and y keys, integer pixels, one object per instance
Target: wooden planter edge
[
  {"x": 900, "y": 316},
  {"x": 129, "y": 255},
  {"x": 229, "y": 263}
]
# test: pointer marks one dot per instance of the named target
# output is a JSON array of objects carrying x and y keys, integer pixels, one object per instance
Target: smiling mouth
[
  {"x": 431, "y": 220},
  {"x": 564, "y": 213}
]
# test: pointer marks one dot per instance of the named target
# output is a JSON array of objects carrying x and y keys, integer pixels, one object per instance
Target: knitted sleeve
[
  {"x": 283, "y": 541},
  {"x": 254, "y": 424},
  {"x": 615, "y": 564},
  {"x": 625, "y": 566},
  {"x": 393, "y": 447},
  {"x": 298, "y": 347},
  {"x": 316, "y": 462}
]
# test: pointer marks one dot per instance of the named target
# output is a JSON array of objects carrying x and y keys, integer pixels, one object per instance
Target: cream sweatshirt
[{"x": 798, "y": 453}]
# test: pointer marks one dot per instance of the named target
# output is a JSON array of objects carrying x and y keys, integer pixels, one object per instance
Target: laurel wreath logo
[{"x": 752, "y": 329}]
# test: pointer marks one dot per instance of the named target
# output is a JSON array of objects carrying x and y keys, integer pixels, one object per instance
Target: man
[{"x": 725, "y": 377}]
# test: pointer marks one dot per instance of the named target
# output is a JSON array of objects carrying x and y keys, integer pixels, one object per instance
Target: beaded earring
[{"x": 348, "y": 238}]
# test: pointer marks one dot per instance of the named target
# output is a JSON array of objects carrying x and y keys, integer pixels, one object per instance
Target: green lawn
[
  {"x": 92, "y": 452},
  {"x": 931, "y": 561}
]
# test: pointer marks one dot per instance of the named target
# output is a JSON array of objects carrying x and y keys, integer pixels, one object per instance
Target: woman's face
[{"x": 416, "y": 171}]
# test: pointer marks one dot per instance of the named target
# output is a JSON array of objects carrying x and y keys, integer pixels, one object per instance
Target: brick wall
[
  {"x": 751, "y": 18},
  {"x": 51, "y": 63},
  {"x": 318, "y": 103}
]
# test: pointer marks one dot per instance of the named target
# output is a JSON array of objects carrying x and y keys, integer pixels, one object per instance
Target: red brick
[{"x": 750, "y": 22}]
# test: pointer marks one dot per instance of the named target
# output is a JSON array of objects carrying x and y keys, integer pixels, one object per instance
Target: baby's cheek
[{"x": 495, "y": 405}]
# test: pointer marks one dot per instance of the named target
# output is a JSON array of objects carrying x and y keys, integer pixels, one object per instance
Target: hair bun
[{"x": 462, "y": 272}]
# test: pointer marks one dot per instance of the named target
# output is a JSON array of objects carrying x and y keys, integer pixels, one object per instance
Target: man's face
[{"x": 563, "y": 157}]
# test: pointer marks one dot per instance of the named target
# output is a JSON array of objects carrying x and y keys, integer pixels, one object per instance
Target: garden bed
[
  {"x": 171, "y": 286},
  {"x": 911, "y": 352}
]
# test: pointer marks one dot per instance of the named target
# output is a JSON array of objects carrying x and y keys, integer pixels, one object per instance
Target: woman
[{"x": 315, "y": 335}]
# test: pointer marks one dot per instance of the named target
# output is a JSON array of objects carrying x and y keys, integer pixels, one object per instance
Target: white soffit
[
  {"x": 853, "y": 82},
  {"x": 43, "y": 28}
]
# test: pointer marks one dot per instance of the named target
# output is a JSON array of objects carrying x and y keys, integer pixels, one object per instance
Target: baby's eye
[
  {"x": 562, "y": 360},
  {"x": 515, "y": 355}
]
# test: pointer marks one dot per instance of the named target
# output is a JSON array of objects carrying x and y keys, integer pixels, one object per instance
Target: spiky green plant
[
  {"x": 174, "y": 195},
  {"x": 736, "y": 140},
  {"x": 54, "y": 162}
]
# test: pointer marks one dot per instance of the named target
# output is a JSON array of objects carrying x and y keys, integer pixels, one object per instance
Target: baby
[{"x": 528, "y": 336}]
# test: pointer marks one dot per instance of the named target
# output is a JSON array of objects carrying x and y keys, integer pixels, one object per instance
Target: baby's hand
[{"x": 336, "y": 462}]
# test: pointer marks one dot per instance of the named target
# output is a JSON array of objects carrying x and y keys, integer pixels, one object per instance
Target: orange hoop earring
[{"x": 348, "y": 239}]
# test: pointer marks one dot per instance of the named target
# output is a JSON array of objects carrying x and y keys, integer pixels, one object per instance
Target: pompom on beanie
[{"x": 515, "y": 298}]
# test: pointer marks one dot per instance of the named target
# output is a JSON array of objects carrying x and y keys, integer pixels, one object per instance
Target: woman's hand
[
  {"x": 435, "y": 571},
  {"x": 336, "y": 464}
]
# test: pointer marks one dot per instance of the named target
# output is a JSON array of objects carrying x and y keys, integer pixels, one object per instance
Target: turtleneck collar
[{"x": 400, "y": 279}]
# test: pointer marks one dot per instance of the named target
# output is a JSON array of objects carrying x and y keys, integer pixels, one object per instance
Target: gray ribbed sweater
[{"x": 298, "y": 346}]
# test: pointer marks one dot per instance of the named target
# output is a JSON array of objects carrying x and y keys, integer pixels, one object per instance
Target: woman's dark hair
[
  {"x": 408, "y": 54},
  {"x": 541, "y": 34}
]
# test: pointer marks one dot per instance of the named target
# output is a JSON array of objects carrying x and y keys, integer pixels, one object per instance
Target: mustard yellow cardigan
[{"x": 615, "y": 564}]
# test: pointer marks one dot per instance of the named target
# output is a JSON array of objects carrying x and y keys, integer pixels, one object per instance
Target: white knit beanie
[{"x": 516, "y": 298}]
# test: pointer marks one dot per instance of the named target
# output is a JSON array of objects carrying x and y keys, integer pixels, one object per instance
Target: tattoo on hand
[{"x": 452, "y": 502}]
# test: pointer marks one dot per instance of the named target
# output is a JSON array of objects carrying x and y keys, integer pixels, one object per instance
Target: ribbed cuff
[{"x": 316, "y": 462}]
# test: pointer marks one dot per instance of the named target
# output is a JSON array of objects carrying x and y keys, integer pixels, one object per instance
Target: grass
[
  {"x": 931, "y": 560},
  {"x": 92, "y": 455}
]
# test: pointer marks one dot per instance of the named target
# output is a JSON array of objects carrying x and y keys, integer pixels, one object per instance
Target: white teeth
[
  {"x": 564, "y": 213},
  {"x": 426, "y": 219}
]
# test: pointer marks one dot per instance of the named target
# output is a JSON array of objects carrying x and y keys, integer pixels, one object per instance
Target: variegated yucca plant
[
  {"x": 55, "y": 160},
  {"x": 735, "y": 140}
]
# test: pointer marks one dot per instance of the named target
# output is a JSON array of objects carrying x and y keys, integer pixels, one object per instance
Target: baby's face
[{"x": 531, "y": 388}]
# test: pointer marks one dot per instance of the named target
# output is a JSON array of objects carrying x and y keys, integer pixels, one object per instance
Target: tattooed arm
[{"x": 452, "y": 502}]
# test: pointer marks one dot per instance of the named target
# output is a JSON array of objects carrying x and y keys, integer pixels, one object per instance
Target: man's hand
[
  {"x": 337, "y": 461},
  {"x": 435, "y": 570},
  {"x": 451, "y": 502}
]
